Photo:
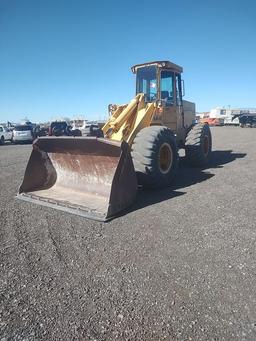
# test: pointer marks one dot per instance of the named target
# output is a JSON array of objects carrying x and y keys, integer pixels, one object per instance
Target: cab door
[{"x": 168, "y": 99}]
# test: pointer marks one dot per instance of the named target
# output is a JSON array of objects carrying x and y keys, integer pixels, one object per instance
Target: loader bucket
[{"x": 88, "y": 176}]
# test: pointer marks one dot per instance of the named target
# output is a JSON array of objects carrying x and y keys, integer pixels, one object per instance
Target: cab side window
[{"x": 166, "y": 87}]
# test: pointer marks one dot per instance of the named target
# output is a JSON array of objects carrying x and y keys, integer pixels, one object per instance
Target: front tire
[
  {"x": 198, "y": 145},
  {"x": 2, "y": 140},
  {"x": 155, "y": 157}
]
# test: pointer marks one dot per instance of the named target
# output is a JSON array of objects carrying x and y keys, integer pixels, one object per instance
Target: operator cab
[{"x": 159, "y": 81}]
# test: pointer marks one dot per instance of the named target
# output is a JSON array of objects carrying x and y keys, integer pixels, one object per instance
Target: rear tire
[
  {"x": 155, "y": 157},
  {"x": 198, "y": 145},
  {"x": 76, "y": 132}
]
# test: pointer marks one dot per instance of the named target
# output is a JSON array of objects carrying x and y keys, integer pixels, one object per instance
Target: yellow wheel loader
[{"x": 98, "y": 177}]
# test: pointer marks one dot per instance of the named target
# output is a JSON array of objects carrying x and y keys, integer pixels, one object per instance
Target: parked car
[
  {"x": 92, "y": 130},
  {"x": 61, "y": 128},
  {"x": 248, "y": 120},
  {"x": 5, "y": 135},
  {"x": 22, "y": 133},
  {"x": 40, "y": 131}
]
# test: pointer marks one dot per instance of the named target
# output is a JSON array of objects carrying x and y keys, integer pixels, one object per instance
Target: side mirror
[{"x": 182, "y": 87}]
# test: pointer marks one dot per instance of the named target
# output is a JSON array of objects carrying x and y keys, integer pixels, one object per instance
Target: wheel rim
[
  {"x": 165, "y": 158},
  {"x": 206, "y": 145}
]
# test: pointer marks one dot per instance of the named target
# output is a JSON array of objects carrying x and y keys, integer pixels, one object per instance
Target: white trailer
[{"x": 227, "y": 115}]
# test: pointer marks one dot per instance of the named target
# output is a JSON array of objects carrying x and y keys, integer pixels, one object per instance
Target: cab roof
[{"x": 166, "y": 64}]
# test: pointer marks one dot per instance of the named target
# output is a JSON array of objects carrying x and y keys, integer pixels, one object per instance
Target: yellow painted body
[{"x": 127, "y": 120}]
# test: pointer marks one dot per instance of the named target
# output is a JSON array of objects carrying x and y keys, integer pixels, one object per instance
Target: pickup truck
[{"x": 5, "y": 135}]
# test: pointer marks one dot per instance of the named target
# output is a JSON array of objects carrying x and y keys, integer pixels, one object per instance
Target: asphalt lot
[{"x": 180, "y": 265}]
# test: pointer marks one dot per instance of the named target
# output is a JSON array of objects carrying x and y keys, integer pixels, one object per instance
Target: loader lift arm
[{"x": 127, "y": 120}]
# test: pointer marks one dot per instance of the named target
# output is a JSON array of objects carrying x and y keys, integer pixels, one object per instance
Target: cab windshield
[{"x": 146, "y": 83}]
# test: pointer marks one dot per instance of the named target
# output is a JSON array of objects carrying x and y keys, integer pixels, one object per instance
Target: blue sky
[{"x": 63, "y": 58}]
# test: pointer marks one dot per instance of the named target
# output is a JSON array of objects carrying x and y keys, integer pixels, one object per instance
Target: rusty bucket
[{"x": 88, "y": 176}]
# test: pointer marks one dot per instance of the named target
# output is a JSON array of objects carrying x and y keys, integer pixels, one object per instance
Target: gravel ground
[{"x": 180, "y": 265}]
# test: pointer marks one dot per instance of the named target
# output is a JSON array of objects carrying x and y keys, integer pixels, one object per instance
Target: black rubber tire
[
  {"x": 146, "y": 153},
  {"x": 76, "y": 132},
  {"x": 56, "y": 131},
  {"x": 195, "y": 147},
  {"x": 2, "y": 140}
]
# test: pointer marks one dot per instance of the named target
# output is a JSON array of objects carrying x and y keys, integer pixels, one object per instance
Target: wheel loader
[{"x": 98, "y": 177}]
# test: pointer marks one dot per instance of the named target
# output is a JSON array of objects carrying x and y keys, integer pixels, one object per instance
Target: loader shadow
[
  {"x": 222, "y": 157},
  {"x": 187, "y": 176}
]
